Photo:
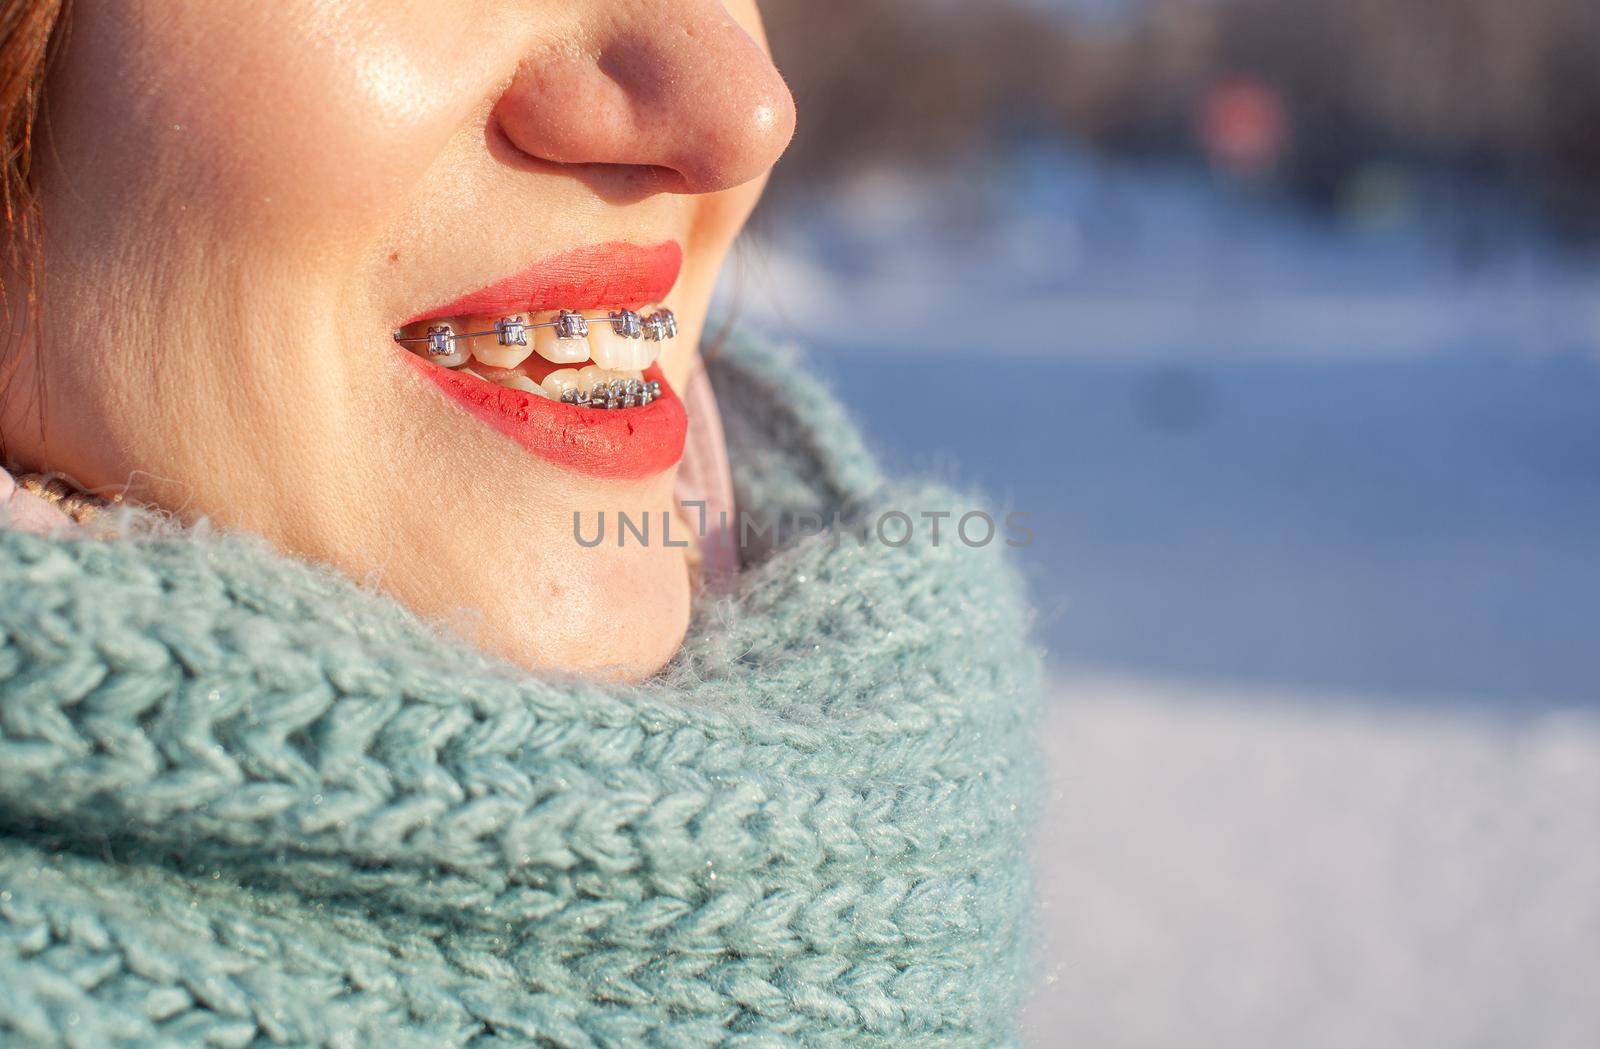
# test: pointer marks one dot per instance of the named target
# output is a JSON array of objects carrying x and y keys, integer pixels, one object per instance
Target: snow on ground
[
  {"x": 1341, "y": 483},
  {"x": 1257, "y": 446},
  {"x": 1246, "y": 869}
]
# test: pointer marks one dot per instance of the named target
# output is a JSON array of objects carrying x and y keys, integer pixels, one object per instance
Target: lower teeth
[{"x": 618, "y": 393}]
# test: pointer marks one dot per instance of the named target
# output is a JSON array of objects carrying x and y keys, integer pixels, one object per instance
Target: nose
[{"x": 677, "y": 86}]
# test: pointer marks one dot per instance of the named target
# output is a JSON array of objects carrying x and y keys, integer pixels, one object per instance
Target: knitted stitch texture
[{"x": 246, "y": 802}]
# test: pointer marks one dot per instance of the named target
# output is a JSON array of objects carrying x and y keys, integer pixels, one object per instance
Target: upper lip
[{"x": 616, "y": 274}]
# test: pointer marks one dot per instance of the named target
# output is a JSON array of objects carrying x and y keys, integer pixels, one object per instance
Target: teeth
[
  {"x": 508, "y": 347},
  {"x": 661, "y": 325},
  {"x": 519, "y": 381},
  {"x": 626, "y": 323},
  {"x": 439, "y": 345},
  {"x": 621, "y": 342},
  {"x": 616, "y": 342},
  {"x": 587, "y": 377},
  {"x": 615, "y": 393},
  {"x": 570, "y": 324},
  {"x": 597, "y": 387},
  {"x": 549, "y": 343},
  {"x": 560, "y": 381}
]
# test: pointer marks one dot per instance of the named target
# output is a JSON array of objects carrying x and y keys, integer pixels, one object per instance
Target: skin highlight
[{"x": 241, "y": 202}]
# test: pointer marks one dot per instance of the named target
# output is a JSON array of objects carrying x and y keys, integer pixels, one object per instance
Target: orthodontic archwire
[{"x": 570, "y": 324}]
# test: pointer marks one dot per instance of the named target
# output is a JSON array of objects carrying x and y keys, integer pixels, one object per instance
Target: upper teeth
[
  {"x": 617, "y": 340},
  {"x": 626, "y": 323},
  {"x": 511, "y": 331},
  {"x": 660, "y": 326},
  {"x": 571, "y": 325}
]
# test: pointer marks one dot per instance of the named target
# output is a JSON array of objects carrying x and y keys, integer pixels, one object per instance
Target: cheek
[
  {"x": 265, "y": 118},
  {"x": 718, "y": 219}
]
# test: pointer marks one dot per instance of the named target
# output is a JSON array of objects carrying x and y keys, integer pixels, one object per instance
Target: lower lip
[{"x": 611, "y": 443}]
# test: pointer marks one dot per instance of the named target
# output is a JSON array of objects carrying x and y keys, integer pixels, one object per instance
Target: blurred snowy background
[{"x": 1297, "y": 369}]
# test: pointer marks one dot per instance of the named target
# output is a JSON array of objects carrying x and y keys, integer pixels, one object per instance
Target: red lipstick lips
[
  {"x": 615, "y": 275},
  {"x": 622, "y": 445},
  {"x": 614, "y": 444}
]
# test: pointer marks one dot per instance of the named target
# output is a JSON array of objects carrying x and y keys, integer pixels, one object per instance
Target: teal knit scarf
[{"x": 246, "y": 802}]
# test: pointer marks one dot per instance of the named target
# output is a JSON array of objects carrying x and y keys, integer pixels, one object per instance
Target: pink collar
[{"x": 704, "y": 476}]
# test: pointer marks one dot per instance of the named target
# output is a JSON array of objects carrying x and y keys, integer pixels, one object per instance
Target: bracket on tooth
[
  {"x": 436, "y": 342},
  {"x": 627, "y": 324},
  {"x": 511, "y": 331},
  {"x": 440, "y": 336},
  {"x": 618, "y": 393},
  {"x": 570, "y": 324},
  {"x": 660, "y": 326}
]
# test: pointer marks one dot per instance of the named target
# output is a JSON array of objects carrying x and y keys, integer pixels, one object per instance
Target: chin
[
  {"x": 624, "y": 629},
  {"x": 546, "y": 385},
  {"x": 611, "y": 614}
]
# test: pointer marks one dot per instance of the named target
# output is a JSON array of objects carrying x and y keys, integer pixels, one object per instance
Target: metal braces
[
  {"x": 616, "y": 393},
  {"x": 569, "y": 324}
]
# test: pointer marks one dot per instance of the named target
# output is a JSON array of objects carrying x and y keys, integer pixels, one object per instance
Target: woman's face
[{"x": 242, "y": 203}]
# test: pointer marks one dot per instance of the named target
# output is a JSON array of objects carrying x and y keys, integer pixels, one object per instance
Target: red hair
[{"x": 27, "y": 34}]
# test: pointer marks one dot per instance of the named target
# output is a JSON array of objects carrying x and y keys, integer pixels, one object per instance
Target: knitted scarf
[{"x": 246, "y": 802}]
